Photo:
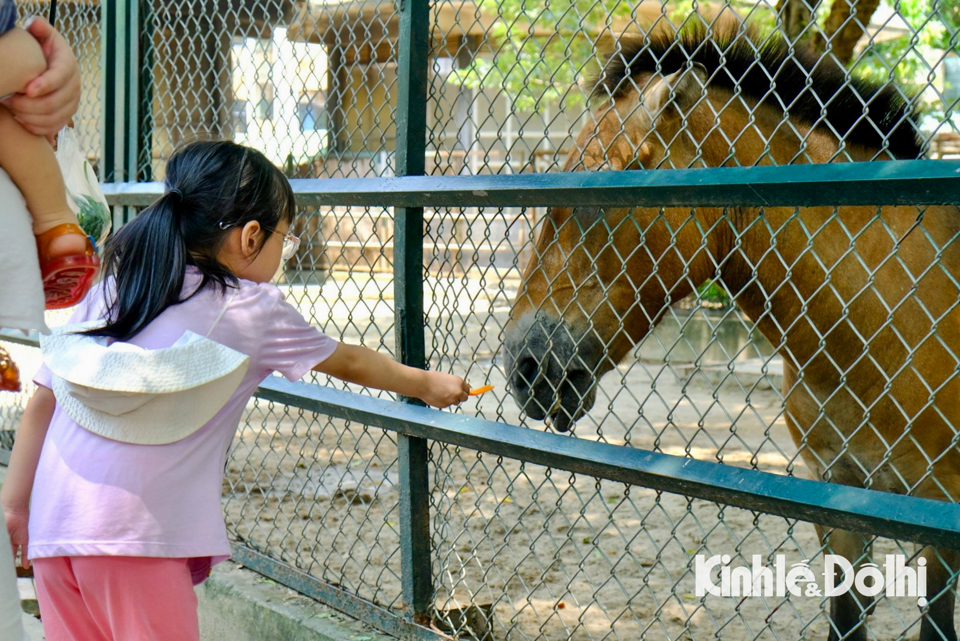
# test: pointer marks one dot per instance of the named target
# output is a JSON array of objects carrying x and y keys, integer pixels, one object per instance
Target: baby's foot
[
  {"x": 68, "y": 262},
  {"x": 71, "y": 244}
]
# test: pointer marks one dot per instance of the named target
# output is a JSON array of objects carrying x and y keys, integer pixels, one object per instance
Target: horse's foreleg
[
  {"x": 937, "y": 625},
  {"x": 848, "y": 610}
]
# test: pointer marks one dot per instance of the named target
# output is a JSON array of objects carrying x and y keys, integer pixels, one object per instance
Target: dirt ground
[{"x": 544, "y": 554}]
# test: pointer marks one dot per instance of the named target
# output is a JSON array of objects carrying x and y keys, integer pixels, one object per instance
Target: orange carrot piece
[{"x": 481, "y": 390}]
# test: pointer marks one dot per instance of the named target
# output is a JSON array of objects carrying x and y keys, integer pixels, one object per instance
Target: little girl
[{"x": 117, "y": 467}]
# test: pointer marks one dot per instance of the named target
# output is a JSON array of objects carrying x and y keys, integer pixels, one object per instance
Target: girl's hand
[
  {"x": 17, "y": 529},
  {"x": 443, "y": 390}
]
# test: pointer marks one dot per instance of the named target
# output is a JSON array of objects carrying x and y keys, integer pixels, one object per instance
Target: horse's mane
[{"x": 812, "y": 89}]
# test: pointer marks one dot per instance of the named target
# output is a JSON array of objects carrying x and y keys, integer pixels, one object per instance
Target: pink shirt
[{"x": 95, "y": 496}]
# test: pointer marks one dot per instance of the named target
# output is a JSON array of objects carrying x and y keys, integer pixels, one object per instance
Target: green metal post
[
  {"x": 145, "y": 161},
  {"x": 411, "y": 122},
  {"x": 121, "y": 78}
]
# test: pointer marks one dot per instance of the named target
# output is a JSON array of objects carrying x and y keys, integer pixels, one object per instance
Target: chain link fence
[{"x": 520, "y": 550}]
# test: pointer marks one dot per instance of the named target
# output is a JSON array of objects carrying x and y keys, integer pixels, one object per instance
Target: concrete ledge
[
  {"x": 28, "y": 601},
  {"x": 240, "y": 605},
  {"x": 33, "y": 627}
]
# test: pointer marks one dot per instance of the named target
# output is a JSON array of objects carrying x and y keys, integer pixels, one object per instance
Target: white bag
[{"x": 83, "y": 189}]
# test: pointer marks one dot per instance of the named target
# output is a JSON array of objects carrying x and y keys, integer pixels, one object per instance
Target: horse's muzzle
[{"x": 552, "y": 369}]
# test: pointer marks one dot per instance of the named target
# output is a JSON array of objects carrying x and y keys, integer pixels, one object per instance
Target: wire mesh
[
  {"x": 320, "y": 495},
  {"x": 705, "y": 383},
  {"x": 312, "y": 85},
  {"x": 521, "y": 551},
  {"x": 509, "y": 96}
]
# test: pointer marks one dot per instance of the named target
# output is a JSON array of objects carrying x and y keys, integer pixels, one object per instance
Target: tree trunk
[
  {"x": 796, "y": 15},
  {"x": 845, "y": 25}
]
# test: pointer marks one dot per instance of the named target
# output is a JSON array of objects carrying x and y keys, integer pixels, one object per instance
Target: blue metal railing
[{"x": 899, "y": 182}]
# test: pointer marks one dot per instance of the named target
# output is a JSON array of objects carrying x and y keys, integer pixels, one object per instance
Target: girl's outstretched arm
[
  {"x": 363, "y": 366},
  {"x": 15, "y": 495}
]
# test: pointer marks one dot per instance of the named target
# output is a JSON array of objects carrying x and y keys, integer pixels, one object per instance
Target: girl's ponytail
[
  {"x": 212, "y": 187},
  {"x": 147, "y": 259}
]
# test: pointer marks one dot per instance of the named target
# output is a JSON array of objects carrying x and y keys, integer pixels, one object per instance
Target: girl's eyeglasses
[
  {"x": 290, "y": 242},
  {"x": 290, "y": 245}
]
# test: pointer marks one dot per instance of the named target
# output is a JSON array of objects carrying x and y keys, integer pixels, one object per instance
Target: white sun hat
[{"x": 135, "y": 395}]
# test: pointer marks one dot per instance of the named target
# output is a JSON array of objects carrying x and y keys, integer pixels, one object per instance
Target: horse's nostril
[
  {"x": 525, "y": 372},
  {"x": 578, "y": 381}
]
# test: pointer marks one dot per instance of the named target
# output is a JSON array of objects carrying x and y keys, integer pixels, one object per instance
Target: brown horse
[{"x": 861, "y": 301}]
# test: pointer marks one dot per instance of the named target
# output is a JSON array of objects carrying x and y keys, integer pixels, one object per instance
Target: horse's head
[{"x": 598, "y": 280}]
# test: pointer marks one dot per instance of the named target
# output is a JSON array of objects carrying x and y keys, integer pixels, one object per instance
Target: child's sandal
[
  {"x": 9, "y": 373},
  {"x": 66, "y": 279}
]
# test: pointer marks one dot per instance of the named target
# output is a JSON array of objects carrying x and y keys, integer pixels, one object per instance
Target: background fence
[{"x": 425, "y": 526}]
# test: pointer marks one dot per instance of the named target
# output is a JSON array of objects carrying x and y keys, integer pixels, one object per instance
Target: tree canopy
[{"x": 542, "y": 49}]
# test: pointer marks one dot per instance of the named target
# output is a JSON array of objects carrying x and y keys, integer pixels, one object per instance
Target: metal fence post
[
  {"x": 411, "y": 115},
  {"x": 144, "y": 163},
  {"x": 120, "y": 46}
]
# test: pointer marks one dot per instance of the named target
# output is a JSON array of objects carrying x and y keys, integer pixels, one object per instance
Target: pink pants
[{"x": 116, "y": 598}]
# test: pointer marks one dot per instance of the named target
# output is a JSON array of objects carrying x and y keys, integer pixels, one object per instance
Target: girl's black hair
[{"x": 212, "y": 187}]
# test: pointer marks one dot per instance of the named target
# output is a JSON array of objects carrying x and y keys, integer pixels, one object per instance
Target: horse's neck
[
  {"x": 809, "y": 275},
  {"x": 741, "y": 242},
  {"x": 774, "y": 260},
  {"x": 760, "y": 137}
]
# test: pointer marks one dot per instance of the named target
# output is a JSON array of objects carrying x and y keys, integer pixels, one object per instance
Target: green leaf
[{"x": 93, "y": 217}]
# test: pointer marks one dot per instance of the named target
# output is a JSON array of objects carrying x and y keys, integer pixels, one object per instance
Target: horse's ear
[{"x": 678, "y": 93}]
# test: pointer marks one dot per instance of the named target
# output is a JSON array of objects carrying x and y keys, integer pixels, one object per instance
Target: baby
[{"x": 68, "y": 262}]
